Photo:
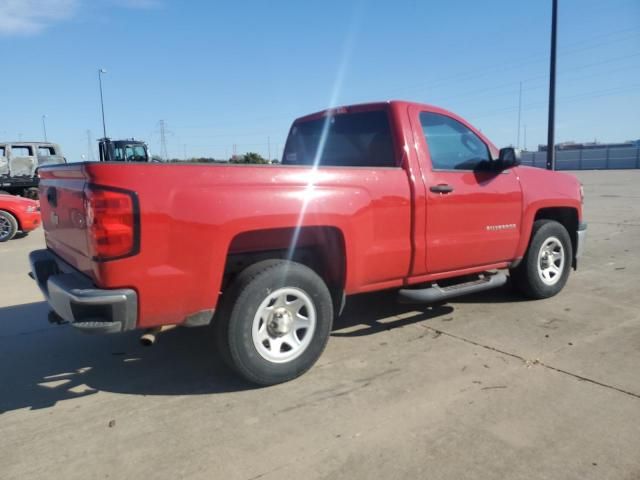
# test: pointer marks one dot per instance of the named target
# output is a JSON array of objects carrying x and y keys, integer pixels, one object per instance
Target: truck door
[
  {"x": 22, "y": 161},
  {"x": 49, "y": 155},
  {"x": 473, "y": 212}
]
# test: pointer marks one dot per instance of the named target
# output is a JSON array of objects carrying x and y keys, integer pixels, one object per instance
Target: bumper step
[
  {"x": 436, "y": 293},
  {"x": 97, "y": 326}
]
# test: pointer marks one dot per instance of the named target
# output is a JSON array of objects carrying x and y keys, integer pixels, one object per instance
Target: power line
[
  {"x": 505, "y": 66},
  {"x": 567, "y": 99}
]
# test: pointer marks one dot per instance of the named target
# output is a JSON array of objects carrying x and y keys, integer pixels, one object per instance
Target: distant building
[
  {"x": 590, "y": 145},
  {"x": 588, "y": 156}
]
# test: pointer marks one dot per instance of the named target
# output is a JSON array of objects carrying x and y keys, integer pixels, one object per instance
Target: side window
[
  {"x": 452, "y": 146},
  {"x": 2, "y": 152},
  {"x": 119, "y": 154},
  {"x": 45, "y": 151},
  {"x": 22, "y": 151}
]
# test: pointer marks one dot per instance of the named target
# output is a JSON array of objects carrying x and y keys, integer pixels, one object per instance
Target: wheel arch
[
  {"x": 321, "y": 248},
  {"x": 567, "y": 217}
]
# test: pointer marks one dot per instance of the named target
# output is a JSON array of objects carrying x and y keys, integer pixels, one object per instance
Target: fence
[{"x": 588, "y": 159}]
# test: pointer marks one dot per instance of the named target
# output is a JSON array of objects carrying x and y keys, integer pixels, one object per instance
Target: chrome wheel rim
[
  {"x": 283, "y": 325},
  {"x": 551, "y": 260},
  {"x": 5, "y": 228}
]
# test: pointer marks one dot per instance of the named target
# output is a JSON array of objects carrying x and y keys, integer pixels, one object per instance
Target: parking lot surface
[{"x": 487, "y": 386}]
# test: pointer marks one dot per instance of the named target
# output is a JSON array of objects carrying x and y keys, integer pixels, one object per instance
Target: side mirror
[{"x": 509, "y": 157}]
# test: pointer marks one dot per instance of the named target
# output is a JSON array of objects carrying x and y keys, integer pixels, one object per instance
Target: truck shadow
[
  {"x": 41, "y": 365},
  {"x": 357, "y": 319}
]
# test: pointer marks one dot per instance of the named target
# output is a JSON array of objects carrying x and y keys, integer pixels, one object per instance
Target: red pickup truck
[{"x": 392, "y": 195}]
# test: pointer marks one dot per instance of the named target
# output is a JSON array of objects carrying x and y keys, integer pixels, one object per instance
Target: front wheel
[
  {"x": 274, "y": 322},
  {"x": 8, "y": 226},
  {"x": 545, "y": 268}
]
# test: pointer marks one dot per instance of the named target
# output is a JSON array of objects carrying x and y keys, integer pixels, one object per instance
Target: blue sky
[{"x": 238, "y": 72}]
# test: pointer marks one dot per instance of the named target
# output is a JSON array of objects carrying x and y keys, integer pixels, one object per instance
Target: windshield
[{"x": 130, "y": 153}]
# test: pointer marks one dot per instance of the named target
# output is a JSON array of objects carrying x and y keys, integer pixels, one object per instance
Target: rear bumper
[
  {"x": 18, "y": 182},
  {"x": 75, "y": 299}
]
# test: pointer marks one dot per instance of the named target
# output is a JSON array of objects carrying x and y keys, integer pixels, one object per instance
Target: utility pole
[
  {"x": 525, "y": 137},
  {"x": 551, "y": 149},
  {"x": 269, "y": 149},
  {"x": 44, "y": 127},
  {"x": 519, "y": 114},
  {"x": 104, "y": 127},
  {"x": 163, "y": 141},
  {"x": 184, "y": 151},
  {"x": 90, "y": 147}
]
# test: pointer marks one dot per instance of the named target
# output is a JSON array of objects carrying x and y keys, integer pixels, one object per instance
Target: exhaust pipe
[{"x": 148, "y": 338}]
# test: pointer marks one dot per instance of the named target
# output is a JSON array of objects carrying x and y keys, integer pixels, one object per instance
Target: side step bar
[{"x": 435, "y": 293}]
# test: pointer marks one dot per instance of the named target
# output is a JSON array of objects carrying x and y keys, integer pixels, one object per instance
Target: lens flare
[{"x": 333, "y": 99}]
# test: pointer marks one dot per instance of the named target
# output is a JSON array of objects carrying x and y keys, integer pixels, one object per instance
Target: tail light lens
[{"x": 112, "y": 222}]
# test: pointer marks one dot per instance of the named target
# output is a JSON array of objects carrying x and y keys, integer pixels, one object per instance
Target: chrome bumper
[
  {"x": 75, "y": 299},
  {"x": 580, "y": 239}
]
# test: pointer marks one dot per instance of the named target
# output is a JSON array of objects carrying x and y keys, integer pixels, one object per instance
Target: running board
[{"x": 435, "y": 293}]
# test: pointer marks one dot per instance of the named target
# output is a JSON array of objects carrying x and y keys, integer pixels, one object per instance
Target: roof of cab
[{"x": 369, "y": 106}]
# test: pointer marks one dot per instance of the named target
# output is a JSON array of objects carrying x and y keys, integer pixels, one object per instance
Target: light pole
[
  {"x": 551, "y": 149},
  {"x": 44, "y": 127},
  {"x": 104, "y": 128}
]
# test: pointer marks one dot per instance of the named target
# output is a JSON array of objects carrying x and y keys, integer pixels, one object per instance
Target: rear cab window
[
  {"x": 358, "y": 139},
  {"x": 452, "y": 145}
]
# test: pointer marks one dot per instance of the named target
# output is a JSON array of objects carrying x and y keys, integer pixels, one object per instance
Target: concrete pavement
[{"x": 488, "y": 386}]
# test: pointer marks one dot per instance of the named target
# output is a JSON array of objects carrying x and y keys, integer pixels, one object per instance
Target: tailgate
[{"x": 64, "y": 213}]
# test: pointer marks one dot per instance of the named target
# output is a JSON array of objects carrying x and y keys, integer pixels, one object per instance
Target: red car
[
  {"x": 392, "y": 195},
  {"x": 17, "y": 214}
]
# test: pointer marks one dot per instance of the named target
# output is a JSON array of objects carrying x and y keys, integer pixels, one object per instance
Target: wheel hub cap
[
  {"x": 284, "y": 325},
  {"x": 281, "y": 322},
  {"x": 551, "y": 261}
]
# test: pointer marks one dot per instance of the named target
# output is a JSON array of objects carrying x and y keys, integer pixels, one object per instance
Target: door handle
[{"x": 441, "y": 188}]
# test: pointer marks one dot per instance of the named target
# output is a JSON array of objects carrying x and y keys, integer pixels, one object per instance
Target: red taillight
[{"x": 112, "y": 222}]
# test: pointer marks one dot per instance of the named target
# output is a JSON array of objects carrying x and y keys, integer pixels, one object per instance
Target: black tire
[
  {"x": 234, "y": 321},
  {"x": 527, "y": 276},
  {"x": 8, "y": 226}
]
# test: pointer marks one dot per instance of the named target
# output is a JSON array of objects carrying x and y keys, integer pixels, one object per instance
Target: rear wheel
[
  {"x": 545, "y": 268},
  {"x": 8, "y": 226},
  {"x": 274, "y": 322}
]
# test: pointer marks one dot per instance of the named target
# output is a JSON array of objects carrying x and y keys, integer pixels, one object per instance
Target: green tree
[{"x": 249, "y": 157}]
